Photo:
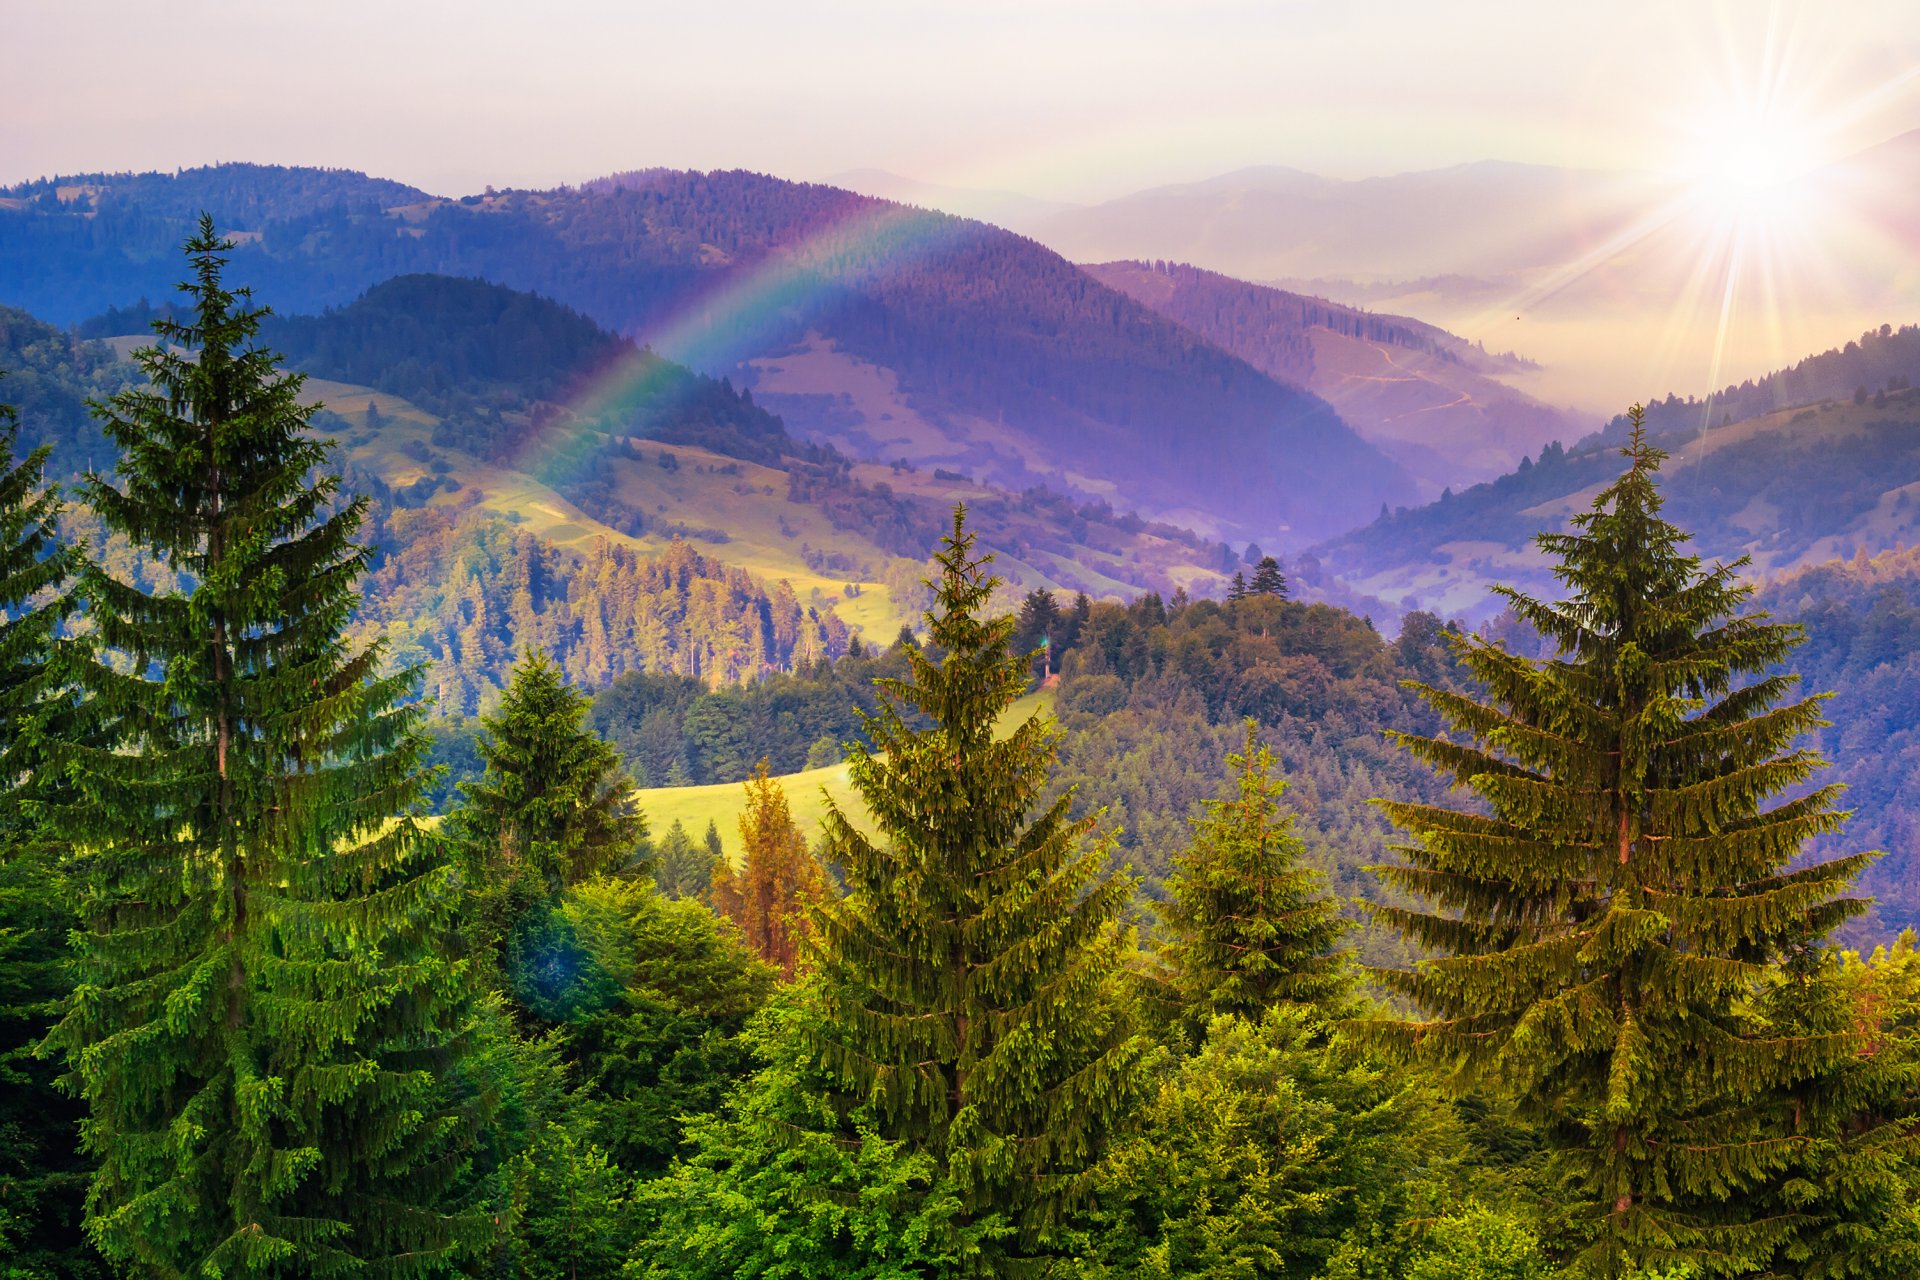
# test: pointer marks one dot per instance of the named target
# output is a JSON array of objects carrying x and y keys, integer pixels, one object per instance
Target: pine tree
[
  {"x": 967, "y": 973},
  {"x": 1252, "y": 927},
  {"x": 42, "y": 1173},
  {"x": 1237, "y": 588},
  {"x": 1853, "y": 1183},
  {"x": 1267, "y": 579},
  {"x": 554, "y": 805},
  {"x": 263, "y": 1001},
  {"x": 712, "y": 840},
  {"x": 778, "y": 877},
  {"x": 1602, "y": 930},
  {"x": 682, "y": 868}
]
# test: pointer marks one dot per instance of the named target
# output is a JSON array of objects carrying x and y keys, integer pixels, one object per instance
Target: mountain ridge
[{"x": 977, "y": 325}]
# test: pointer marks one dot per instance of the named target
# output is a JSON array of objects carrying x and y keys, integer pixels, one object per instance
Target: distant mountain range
[
  {"x": 1619, "y": 282},
  {"x": 888, "y": 331},
  {"x": 1430, "y": 401}
]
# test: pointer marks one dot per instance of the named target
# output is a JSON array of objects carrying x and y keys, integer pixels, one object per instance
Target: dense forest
[
  {"x": 973, "y": 320},
  {"x": 1862, "y": 621},
  {"x": 464, "y": 596}
]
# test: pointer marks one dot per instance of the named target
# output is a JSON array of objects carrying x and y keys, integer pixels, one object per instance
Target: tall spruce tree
[
  {"x": 1252, "y": 926},
  {"x": 263, "y": 1001},
  {"x": 1602, "y": 929},
  {"x": 682, "y": 868},
  {"x": 42, "y": 1173},
  {"x": 966, "y": 973}
]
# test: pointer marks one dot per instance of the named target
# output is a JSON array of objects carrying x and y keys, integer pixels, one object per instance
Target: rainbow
[{"x": 714, "y": 330}]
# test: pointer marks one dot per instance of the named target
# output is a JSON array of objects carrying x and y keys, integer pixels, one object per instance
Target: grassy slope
[
  {"x": 696, "y": 495},
  {"x": 807, "y": 792}
]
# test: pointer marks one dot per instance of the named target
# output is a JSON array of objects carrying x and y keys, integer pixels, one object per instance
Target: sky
[{"x": 1061, "y": 100}]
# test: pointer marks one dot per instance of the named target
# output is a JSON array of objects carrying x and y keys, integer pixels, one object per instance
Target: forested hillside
[
  {"x": 1880, "y": 362},
  {"x": 1432, "y": 401},
  {"x": 1862, "y": 620},
  {"x": 457, "y": 404},
  {"x": 992, "y": 354},
  {"x": 1791, "y": 488}
]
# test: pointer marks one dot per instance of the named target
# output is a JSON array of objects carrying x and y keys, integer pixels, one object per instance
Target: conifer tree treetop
[
  {"x": 554, "y": 801},
  {"x": 967, "y": 972},
  {"x": 264, "y": 997},
  {"x": 1251, "y": 925},
  {"x": 1599, "y": 931}
]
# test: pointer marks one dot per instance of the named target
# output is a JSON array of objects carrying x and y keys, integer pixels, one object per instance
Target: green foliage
[
  {"x": 556, "y": 1204},
  {"x": 1855, "y": 1164},
  {"x": 785, "y": 1185},
  {"x": 1267, "y": 1153},
  {"x": 41, "y": 1172},
  {"x": 1601, "y": 928},
  {"x": 968, "y": 970},
  {"x": 263, "y": 994},
  {"x": 1250, "y": 924},
  {"x": 682, "y": 868},
  {"x": 670, "y": 727},
  {"x": 552, "y": 808},
  {"x": 50, "y": 379},
  {"x": 1472, "y": 1243},
  {"x": 466, "y": 594},
  {"x": 667, "y": 1045}
]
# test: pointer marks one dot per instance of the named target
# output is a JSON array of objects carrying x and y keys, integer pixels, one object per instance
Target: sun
[
  {"x": 1752, "y": 168},
  {"x": 1752, "y": 165}
]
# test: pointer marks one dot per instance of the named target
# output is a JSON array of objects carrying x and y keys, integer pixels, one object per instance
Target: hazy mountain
[
  {"x": 1614, "y": 281},
  {"x": 1818, "y": 461},
  {"x": 1488, "y": 219},
  {"x": 892, "y": 332},
  {"x": 1428, "y": 399}
]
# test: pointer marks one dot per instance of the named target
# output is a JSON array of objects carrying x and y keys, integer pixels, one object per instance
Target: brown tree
[{"x": 777, "y": 879}]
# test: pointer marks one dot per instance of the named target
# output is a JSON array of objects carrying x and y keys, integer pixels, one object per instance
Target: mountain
[
  {"x": 512, "y": 508},
  {"x": 1824, "y": 463},
  {"x": 893, "y": 333},
  {"x": 1862, "y": 619},
  {"x": 1428, "y": 399}
]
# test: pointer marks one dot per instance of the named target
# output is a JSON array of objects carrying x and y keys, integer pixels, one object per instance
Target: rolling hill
[
  {"x": 1811, "y": 477},
  {"x": 891, "y": 332},
  {"x": 1429, "y": 400}
]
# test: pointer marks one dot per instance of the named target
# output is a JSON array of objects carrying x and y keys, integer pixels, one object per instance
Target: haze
[{"x": 1071, "y": 101}]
